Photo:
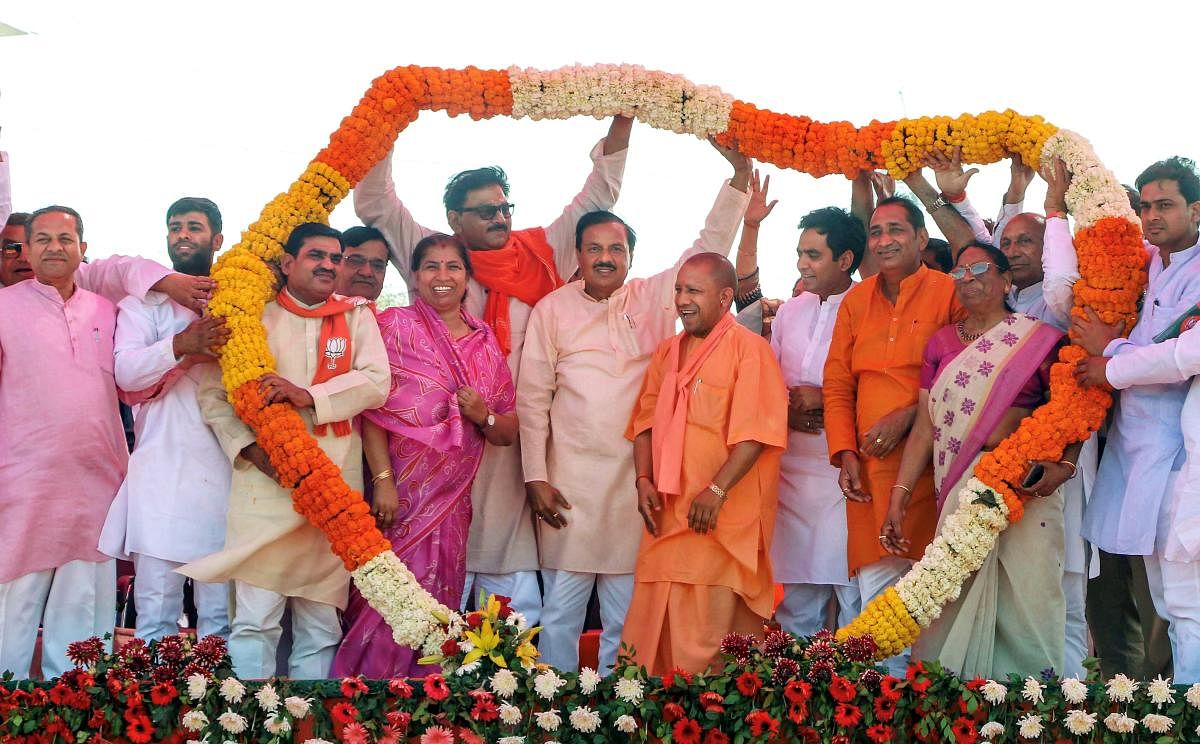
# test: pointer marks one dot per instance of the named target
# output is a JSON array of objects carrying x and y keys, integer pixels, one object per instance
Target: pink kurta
[{"x": 62, "y": 447}]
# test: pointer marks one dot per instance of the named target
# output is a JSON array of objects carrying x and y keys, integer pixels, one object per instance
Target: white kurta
[
  {"x": 581, "y": 369},
  {"x": 501, "y": 539},
  {"x": 1145, "y": 443},
  {"x": 267, "y": 543},
  {"x": 172, "y": 503},
  {"x": 809, "y": 546}
]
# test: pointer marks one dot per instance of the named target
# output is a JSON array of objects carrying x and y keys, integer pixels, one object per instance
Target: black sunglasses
[{"x": 488, "y": 211}]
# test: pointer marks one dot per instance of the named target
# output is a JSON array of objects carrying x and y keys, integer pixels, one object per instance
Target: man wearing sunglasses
[{"x": 513, "y": 270}]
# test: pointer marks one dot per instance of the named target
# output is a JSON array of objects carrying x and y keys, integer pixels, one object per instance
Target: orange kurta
[
  {"x": 874, "y": 368},
  {"x": 692, "y": 589}
]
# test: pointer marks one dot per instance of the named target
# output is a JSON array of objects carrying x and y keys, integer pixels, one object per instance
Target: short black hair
[
  {"x": 356, "y": 236},
  {"x": 308, "y": 230},
  {"x": 197, "y": 204},
  {"x": 916, "y": 217},
  {"x": 1175, "y": 168},
  {"x": 49, "y": 210},
  {"x": 17, "y": 219},
  {"x": 430, "y": 241},
  {"x": 941, "y": 252},
  {"x": 842, "y": 230},
  {"x": 463, "y": 183},
  {"x": 1135, "y": 197},
  {"x": 601, "y": 217}
]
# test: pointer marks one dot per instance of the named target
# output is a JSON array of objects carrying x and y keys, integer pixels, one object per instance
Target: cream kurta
[
  {"x": 267, "y": 544},
  {"x": 501, "y": 539},
  {"x": 581, "y": 368}
]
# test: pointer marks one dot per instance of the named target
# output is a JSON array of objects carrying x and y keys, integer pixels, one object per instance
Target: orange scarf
[
  {"x": 333, "y": 347},
  {"x": 674, "y": 399},
  {"x": 523, "y": 268}
]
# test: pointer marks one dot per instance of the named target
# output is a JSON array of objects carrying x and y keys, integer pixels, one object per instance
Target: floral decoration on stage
[{"x": 1108, "y": 241}]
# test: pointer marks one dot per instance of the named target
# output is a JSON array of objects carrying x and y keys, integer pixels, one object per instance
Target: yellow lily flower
[{"x": 485, "y": 641}]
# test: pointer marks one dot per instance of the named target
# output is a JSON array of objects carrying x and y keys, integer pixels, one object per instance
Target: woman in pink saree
[
  {"x": 451, "y": 392},
  {"x": 979, "y": 378}
]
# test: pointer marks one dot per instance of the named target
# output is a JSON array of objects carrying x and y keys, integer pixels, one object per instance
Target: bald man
[{"x": 703, "y": 567}]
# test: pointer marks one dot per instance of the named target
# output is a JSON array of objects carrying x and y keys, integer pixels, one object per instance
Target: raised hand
[
  {"x": 1058, "y": 180},
  {"x": 948, "y": 171},
  {"x": 742, "y": 165},
  {"x": 758, "y": 209},
  {"x": 1019, "y": 178}
]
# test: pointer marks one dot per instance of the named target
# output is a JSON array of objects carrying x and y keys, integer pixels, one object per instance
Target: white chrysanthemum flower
[
  {"x": 1074, "y": 691},
  {"x": 584, "y": 719},
  {"x": 466, "y": 646},
  {"x": 277, "y": 724},
  {"x": 589, "y": 680},
  {"x": 1158, "y": 724},
  {"x": 547, "y": 683},
  {"x": 510, "y": 715},
  {"x": 1121, "y": 689},
  {"x": 994, "y": 692},
  {"x": 194, "y": 720},
  {"x": 297, "y": 706},
  {"x": 1032, "y": 690},
  {"x": 1080, "y": 722},
  {"x": 197, "y": 685},
  {"x": 991, "y": 730},
  {"x": 1030, "y": 727},
  {"x": 232, "y": 722},
  {"x": 1120, "y": 723},
  {"x": 548, "y": 720},
  {"x": 466, "y": 669},
  {"x": 1160, "y": 691},
  {"x": 1193, "y": 695},
  {"x": 267, "y": 698},
  {"x": 626, "y": 724},
  {"x": 511, "y": 740},
  {"x": 630, "y": 690},
  {"x": 317, "y": 741},
  {"x": 504, "y": 683},
  {"x": 232, "y": 690}
]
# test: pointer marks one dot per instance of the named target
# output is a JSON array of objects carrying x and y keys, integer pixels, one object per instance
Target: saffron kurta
[
  {"x": 583, "y": 363},
  {"x": 267, "y": 544},
  {"x": 502, "y": 538},
  {"x": 874, "y": 368},
  {"x": 691, "y": 589}
]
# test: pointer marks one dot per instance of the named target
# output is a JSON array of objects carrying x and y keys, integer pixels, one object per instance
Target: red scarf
[
  {"x": 333, "y": 347},
  {"x": 523, "y": 268}
]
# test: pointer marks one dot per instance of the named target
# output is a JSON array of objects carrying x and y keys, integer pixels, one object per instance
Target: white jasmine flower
[
  {"x": 1120, "y": 723},
  {"x": 991, "y": 730},
  {"x": 1121, "y": 689},
  {"x": 1160, "y": 691},
  {"x": 504, "y": 683},
  {"x": 232, "y": 722},
  {"x": 547, "y": 683},
  {"x": 1079, "y": 723},
  {"x": 626, "y": 724},
  {"x": 1074, "y": 691},
  {"x": 630, "y": 690},
  {"x": 297, "y": 706},
  {"x": 276, "y": 724},
  {"x": 1193, "y": 695},
  {"x": 584, "y": 719},
  {"x": 588, "y": 680},
  {"x": 548, "y": 720},
  {"x": 197, "y": 685},
  {"x": 232, "y": 690},
  {"x": 267, "y": 698},
  {"x": 1032, "y": 690},
  {"x": 1030, "y": 726},
  {"x": 994, "y": 692},
  {"x": 194, "y": 720},
  {"x": 1158, "y": 724},
  {"x": 510, "y": 715}
]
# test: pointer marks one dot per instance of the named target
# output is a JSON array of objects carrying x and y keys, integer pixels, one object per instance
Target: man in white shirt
[
  {"x": 171, "y": 507},
  {"x": 587, "y": 348},
  {"x": 808, "y": 551}
]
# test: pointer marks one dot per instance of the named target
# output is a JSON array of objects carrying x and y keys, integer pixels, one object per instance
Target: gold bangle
[
  {"x": 1071, "y": 465},
  {"x": 381, "y": 476},
  {"x": 906, "y": 489}
]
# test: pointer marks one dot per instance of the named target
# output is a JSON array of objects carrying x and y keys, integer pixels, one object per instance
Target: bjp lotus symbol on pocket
[{"x": 335, "y": 349}]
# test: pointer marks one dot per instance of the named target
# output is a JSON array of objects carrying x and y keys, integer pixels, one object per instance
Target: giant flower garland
[{"x": 1110, "y": 262}]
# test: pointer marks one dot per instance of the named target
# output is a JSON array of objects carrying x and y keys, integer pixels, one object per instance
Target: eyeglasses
[
  {"x": 11, "y": 248},
  {"x": 488, "y": 211},
  {"x": 979, "y": 268},
  {"x": 356, "y": 262}
]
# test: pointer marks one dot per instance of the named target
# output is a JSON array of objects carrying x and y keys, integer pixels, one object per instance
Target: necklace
[{"x": 962, "y": 332}]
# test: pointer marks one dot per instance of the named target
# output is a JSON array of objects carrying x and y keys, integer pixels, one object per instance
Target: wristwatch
[{"x": 490, "y": 421}]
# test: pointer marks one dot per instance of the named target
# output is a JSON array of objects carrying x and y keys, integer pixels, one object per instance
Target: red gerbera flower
[
  {"x": 976, "y": 684},
  {"x": 715, "y": 736},
  {"x": 400, "y": 688},
  {"x": 881, "y": 733},
  {"x": 885, "y": 709},
  {"x": 840, "y": 739},
  {"x": 670, "y": 677},
  {"x": 163, "y": 693},
  {"x": 352, "y": 687},
  {"x": 842, "y": 689},
  {"x": 749, "y": 683},
  {"x": 399, "y": 718},
  {"x": 672, "y": 712},
  {"x": 711, "y": 701},
  {"x": 343, "y": 713},
  {"x": 469, "y": 737},
  {"x": 354, "y": 733},
  {"x": 762, "y": 723},
  {"x": 97, "y": 720},
  {"x": 485, "y": 710},
  {"x": 797, "y": 712},
  {"x": 686, "y": 731},
  {"x": 889, "y": 687},
  {"x": 435, "y": 688},
  {"x": 808, "y": 735},
  {"x": 920, "y": 686},
  {"x": 964, "y": 731},
  {"x": 797, "y": 691},
  {"x": 847, "y": 716},
  {"x": 139, "y": 730}
]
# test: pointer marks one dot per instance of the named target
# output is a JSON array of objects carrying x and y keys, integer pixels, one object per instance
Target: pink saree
[{"x": 435, "y": 454}]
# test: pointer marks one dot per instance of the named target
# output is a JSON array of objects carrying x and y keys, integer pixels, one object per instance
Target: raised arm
[
  {"x": 1060, "y": 265},
  {"x": 5, "y": 189},
  {"x": 376, "y": 204},
  {"x": 958, "y": 233},
  {"x": 1019, "y": 178},
  {"x": 749, "y": 285},
  {"x": 952, "y": 182}
]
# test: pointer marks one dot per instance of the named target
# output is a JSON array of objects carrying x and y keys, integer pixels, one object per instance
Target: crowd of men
[{"x": 678, "y": 477}]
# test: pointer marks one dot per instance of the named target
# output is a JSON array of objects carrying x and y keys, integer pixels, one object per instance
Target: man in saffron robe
[
  {"x": 331, "y": 365},
  {"x": 716, "y": 393},
  {"x": 513, "y": 270}
]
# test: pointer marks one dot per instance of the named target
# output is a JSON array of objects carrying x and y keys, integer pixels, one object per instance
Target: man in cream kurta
[
  {"x": 586, "y": 352},
  {"x": 501, "y": 548},
  {"x": 274, "y": 556}
]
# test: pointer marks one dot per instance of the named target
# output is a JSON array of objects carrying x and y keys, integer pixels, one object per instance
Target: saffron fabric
[{"x": 523, "y": 269}]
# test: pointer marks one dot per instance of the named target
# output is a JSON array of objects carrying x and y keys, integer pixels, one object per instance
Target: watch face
[{"x": 491, "y": 419}]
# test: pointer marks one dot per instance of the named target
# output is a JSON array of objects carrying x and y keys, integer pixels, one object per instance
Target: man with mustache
[
  {"x": 590, "y": 336},
  {"x": 330, "y": 366},
  {"x": 364, "y": 263},
  {"x": 171, "y": 508},
  {"x": 703, "y": 568},
  {"x": 513, "y": 270}
]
